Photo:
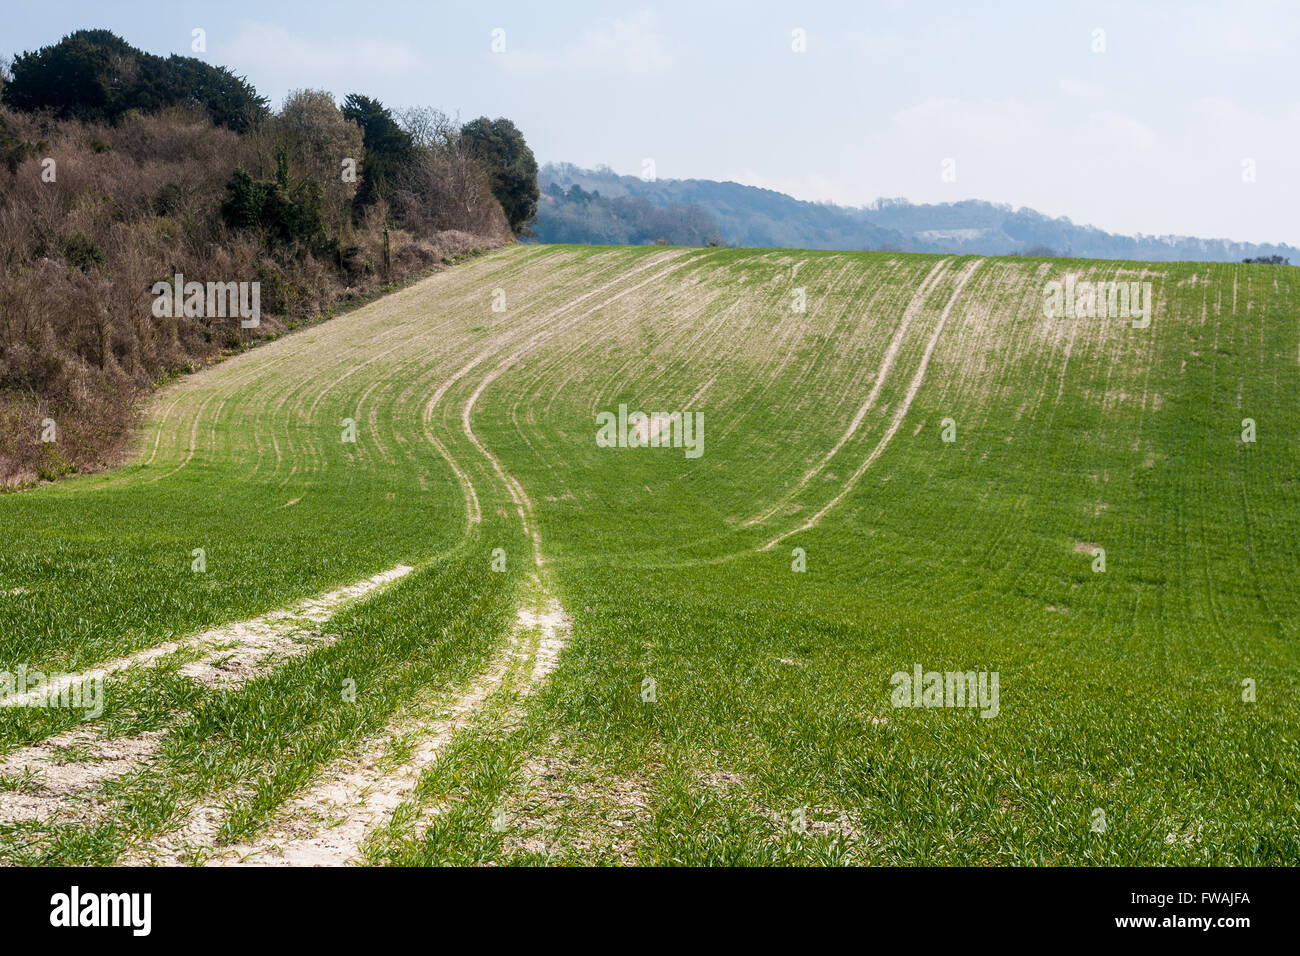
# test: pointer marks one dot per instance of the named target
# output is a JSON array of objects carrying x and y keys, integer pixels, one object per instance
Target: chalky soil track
[{"x": 432, "y": 644}]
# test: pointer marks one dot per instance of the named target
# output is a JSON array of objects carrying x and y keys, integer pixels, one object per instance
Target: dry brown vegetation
[{"x": 136, "y": 203}]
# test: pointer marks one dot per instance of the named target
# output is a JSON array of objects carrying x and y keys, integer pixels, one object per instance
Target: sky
[{"x": 1151, "y": 118}]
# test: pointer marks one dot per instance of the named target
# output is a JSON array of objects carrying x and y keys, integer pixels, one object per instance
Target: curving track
[{"x": 475, "y": 430}]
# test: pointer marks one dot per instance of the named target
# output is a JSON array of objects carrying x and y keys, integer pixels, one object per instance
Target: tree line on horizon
[{"x": 608, "y": 207}]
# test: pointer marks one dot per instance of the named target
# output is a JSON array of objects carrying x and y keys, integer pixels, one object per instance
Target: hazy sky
[{"x": 1146, "y": 127}]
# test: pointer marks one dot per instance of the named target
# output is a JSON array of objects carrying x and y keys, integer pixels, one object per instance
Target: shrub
[
  {"x": 82, "y": 253},
  {"x": 288, "y": 212}
]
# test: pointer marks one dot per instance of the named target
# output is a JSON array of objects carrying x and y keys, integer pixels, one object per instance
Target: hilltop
[{"x": 628, "y": 209}]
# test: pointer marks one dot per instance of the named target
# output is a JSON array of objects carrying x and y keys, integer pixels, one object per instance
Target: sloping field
[{"x": 476, "y": 634}]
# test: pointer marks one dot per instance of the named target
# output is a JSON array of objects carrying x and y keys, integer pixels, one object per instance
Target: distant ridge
[{"x": 600, "y": 206}]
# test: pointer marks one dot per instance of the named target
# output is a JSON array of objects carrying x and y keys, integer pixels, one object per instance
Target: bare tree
[{"x": 427, "y": 126}]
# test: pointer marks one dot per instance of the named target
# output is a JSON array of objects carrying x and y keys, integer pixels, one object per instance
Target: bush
[
  {"x": 288, "y": 212},
  {"x": 82, "y": 253}
]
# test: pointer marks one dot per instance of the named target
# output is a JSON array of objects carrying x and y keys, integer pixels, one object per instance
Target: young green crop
[{"x": 828, "y": 383}]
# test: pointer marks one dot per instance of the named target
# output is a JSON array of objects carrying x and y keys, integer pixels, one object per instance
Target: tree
[
  {"x": 229, "y": 100},
  {"x": 73, "y": 77},
  {"x": 445, "y": 187},
  {"x": 427, "y": 126},
  {"x": 388, "y": 146},
  {"x": 320, "y": 139},
  {"x": 97, "y": 76},
  {"x": 511, "y": 168}
]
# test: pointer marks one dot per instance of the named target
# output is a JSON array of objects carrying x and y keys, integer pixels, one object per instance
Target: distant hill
[{"x": 600, "y": 206}]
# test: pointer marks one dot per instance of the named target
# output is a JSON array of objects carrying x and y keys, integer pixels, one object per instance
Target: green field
[{"x": 607, "y": 655}]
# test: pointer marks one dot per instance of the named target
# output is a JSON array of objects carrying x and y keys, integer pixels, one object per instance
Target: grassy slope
[{"x": 1120, "y": 691}]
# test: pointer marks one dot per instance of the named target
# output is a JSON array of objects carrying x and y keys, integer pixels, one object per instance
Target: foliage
[
  {"x": 143, "y": 200},
  {"x": 510, "y": 165},
  {"x": 388, "y": 147},
  {"x": 289, "y": 212},
  {"x": 575, "y": 215},
  {"x": 164, "y": 166},
  {"x": 95, "y": 75},
  {"x": 324, "y": 145}
]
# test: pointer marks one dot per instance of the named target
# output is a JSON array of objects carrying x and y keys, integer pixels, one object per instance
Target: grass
[{"x": 771, "y": 738}]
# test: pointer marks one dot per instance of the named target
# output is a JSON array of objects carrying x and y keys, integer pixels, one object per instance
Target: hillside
[
  {"x": 508, "y": 641},
  {"x": 693, "y": 211},
  {"x": 125, "y": 175}
]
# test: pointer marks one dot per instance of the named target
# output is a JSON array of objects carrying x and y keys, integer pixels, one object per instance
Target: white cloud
[
  {"x": 814, "y": 187},
  {"x": 1078, "y": 89},
  {"x": 1238, "y": 32},
  {"x": 1107, "y": 131},
  {"x": 876, "y": 46},
  {"x": 631, "y": 46},
  {"x": 264, "y": 50},
  {"x": 994, "y": 122}
]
